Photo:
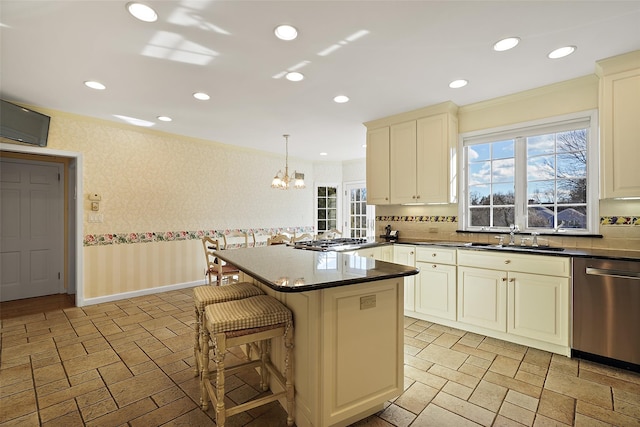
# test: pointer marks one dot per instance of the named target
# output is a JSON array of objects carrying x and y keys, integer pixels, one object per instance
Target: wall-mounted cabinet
[
  {"x": 419, "y": 166},
  {"x": 619, "y": 125}
]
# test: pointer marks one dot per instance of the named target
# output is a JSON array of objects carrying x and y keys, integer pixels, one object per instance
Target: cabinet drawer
[
  {"x": 535, "y": 264},
  {"x": 436, "y": 255}
]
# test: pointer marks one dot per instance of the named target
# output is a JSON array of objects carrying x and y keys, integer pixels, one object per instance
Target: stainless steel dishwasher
[{"x": 606, "y": 311}]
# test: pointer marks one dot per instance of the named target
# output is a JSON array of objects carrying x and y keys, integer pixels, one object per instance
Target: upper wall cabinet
[
  {"x": 619, "y": 125},
  {"x": 378, "y": 166},
  {"x": 421, "y": 158}
]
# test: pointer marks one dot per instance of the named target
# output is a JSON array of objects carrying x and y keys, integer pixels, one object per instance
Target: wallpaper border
[
  {"x": 604, "y": 220},
  {"x": 169, "y": 236}
]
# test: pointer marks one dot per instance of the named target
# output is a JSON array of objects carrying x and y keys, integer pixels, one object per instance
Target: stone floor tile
[
  {"x": 452, "y": 375},
  {"x": 169, "y": 395},
  {"x": 163, "y": 333},
  {"x": 517, "y": 413},
  {"x": 195, "y": 417},
  {"x": 417, "y": 363},
  {"x": 580, "y": 389},
  {"x": 114, "y": 373},
  {"x": 26, "y": 420},
  {"x": 585, "y": 421},
  {"x": 458, "y": 390},
  {"x": 618, "y": 373},
  {"x": 44, "y": 359},
  {"x": 505, "y": 366},
  {"x": 124, "y": 414},
  {"x": 466, "y": 409},
  {"x": 416, "y": 397},
  {"x": 434, "y": 415},
  {"x": 488, "y": 395},
  {"x": 473, "y": 370},
  {"x": 87, "y": 362},
  {"x": 625, "y": 396},
  {"x": 542, "y": 421},
  {"x": 564, "y": 365},
  {"x": 53, "y": 386},
  {"x": 443, "y": 356},
  {"x": 611, "y": 381},
  {"x": 628, "y": 408},
  {"x": 69, "y": 393},
  {"x": 93, "y": 397},
  {"x": 446, "y": 340},
  {"x": 532, "y": 368},
  {"x": 532, "y": 379},
  {"x": 84, "y": 377},
  {"x": 58, "y": 410},
  {"x": 9, "y": 389},
  {"x": 139, "y": 386},
  {"x": 475, "y": 352},
  {"x": 18, "y": 404},
  {"x": 605, "y": 415},
  {"x": 49, "y": 374},
  {"x": 513, "y": 353},
  {"x": 28, "y": 349},
  {"x": 522, "y": 400},
  {"x": 70, "y": 351},
  {"x": 398, "y": 416},
  {"x": 98, "y": 409},
  {"x": 513, "y": 384},
  {"x": 72, "y": 419},
  {"x": 15, "y": 374}
]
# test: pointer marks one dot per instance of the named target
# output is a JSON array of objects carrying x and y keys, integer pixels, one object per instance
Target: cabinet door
[
  {"x": 406, "y": 255},
  {"x": 386, "y": 253},
  {"x": 378, "y": 166},
  {"x": 436, "y": 290},
  {"x": 620, "y": 128},
  {"x": 435, "y": 149},
  {"x": 482, "y": 298},
  {"x": 539, "y": 307},
  {"x": 403, "y": 163}
]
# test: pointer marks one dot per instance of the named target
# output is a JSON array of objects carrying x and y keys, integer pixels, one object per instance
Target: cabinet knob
[
  {"x": 504, "y": 279},
  {"x": 513, "y": 279},
  {"x": 418, "y": 196},
  {"x": 507, "y": 261},
  {"x": 434, "y": 255},
  {"x": 434, "y": 266},
  {"x": 411, "y": 253}
]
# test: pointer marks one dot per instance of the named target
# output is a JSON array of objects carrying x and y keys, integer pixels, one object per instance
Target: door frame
[{"x": 74, "y": 264}]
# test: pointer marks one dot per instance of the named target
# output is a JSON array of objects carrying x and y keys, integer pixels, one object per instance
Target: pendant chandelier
[{"x": 283, "y": 181}]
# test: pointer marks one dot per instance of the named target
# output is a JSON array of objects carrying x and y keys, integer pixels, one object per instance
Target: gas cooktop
[{"x": 341, "y": 244}]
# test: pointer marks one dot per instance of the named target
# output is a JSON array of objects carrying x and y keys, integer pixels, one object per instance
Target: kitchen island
[{"x": 348, "y": 319}]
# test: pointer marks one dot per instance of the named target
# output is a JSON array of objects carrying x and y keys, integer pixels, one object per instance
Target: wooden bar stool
[
  {"x": 253, "y": 321},
  {"x": 205, "y": 295}
]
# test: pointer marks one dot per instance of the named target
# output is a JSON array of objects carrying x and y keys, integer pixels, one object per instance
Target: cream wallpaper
[{"x": 156, "y": 182}]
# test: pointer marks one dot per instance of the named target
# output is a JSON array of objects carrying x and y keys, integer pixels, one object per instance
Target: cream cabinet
[
  {"x": 381, "y": 253},
  {"x": 435, "y": 289},
  {"x": 406, "y": 255},
  {"x": 619, "y": 103},
  {"x": 420, "y": 159},
  {"x": 378, "y": 166},
  {"x": 521, "y": 295}
]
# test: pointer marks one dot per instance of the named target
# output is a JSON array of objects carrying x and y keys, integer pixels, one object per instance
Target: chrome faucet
[
  {"x": 512, "y": 238},
  {"x": 534, "y": 241},
  {"x": 500, "y": 240}
]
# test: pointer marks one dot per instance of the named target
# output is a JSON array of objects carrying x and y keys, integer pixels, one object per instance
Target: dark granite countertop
[
  {"x": 286, "y": 269},
  {"x": 614, "y": 254}
]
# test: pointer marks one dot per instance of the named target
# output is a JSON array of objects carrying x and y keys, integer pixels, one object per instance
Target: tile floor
[{"x": 129, "y": 362}]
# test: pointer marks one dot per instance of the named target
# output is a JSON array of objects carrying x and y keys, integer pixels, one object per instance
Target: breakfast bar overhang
[{"x": 348, "y": 318}]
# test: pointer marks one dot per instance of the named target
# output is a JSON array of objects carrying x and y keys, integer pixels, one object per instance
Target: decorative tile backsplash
[
  {"x": 168, "y": 236},
  {"x": 620, "y": 220},
  {"x": 604, "y": 220}
]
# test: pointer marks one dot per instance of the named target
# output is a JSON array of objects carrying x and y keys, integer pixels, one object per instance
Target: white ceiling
[{"x": 404, "y": 58}]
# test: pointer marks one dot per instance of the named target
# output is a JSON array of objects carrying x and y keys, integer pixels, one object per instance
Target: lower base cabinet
[
  {"x": 406, "y": 255},
  {"x": 435, "y": 293}
]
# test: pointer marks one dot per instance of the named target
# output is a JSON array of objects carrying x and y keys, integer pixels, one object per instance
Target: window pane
[
  {"x": 541, "y": 144},
  {"x": 503, "y": 149},
  {"x": 322, "y": 214},
  {"x": 541, "y": 192},
  {"x": 332, "y": 214},
  {"x": 572, "y": 165},
  {"x": 572, "y": 217},
  {"x": 322, "y": 203},
  {"x": 480, "y": 217},
  {"x": 574, "y": 140},
  {"x": 479, "y": 173},
  {"x": 479, "y": 195},
  {"x": 503, "y": 217},
  {"x": 541, "y": 167},
  {"x": 572, "y": 191},
  {"x": 322, "y": 191},
  {"x": 503, "y": 194},
  {"x": 479, "y": 152},
  {"x": 332, "y": 224},
  {"x": 332, "y": 203},
  {"x": 503, "y": 170},
  {"x": 322, "y": 225},
  {"x": 540, "y": 216}
]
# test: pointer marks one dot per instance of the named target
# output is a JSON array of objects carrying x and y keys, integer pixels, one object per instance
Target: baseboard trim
[{"x": 139, "y": 293}]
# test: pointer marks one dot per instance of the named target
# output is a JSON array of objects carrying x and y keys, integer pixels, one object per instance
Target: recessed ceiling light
[
  {"x": 341, "y": 99},
  {"x": 364, "y": 145},
  {"x": 94, "y": 85},
  {"x": 201, "y": 96},
  {"x": 506, "y": 44},
  {"x": 323, "y": 154},
  {"x": 294, "y": 76},
  {"x": 562, "y": 52},
  {"x": 142, "y": 12},
  {"x": 456, "y": 84},
  {"x": 164, "y": 118},
  {"x": 286, "y": 32}
]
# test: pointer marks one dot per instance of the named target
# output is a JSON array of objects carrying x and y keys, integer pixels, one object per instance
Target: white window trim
[{"x": 526, "y": 129}]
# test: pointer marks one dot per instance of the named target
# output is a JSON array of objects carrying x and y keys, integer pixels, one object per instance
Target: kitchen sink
[{"x": 528, "y": 248}]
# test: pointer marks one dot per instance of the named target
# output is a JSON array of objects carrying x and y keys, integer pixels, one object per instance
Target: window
[
  {"x": 540, "y": 176},
  {"x": 327, "y": 208}
]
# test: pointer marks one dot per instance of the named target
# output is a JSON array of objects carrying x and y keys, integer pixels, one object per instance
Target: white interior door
[
  {"x": 360, "y": 217},
  {"x": 31, "y": 229}
]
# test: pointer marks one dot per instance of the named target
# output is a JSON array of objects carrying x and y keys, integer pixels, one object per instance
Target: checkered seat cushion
[
  {"x": 206, "y": 295},
  {"x": 260, "y": 311}
]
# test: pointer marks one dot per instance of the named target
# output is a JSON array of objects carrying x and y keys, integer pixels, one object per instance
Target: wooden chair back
[
  {"x": 217, "y": 270},
  {"x": 278, "y": 239}
]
